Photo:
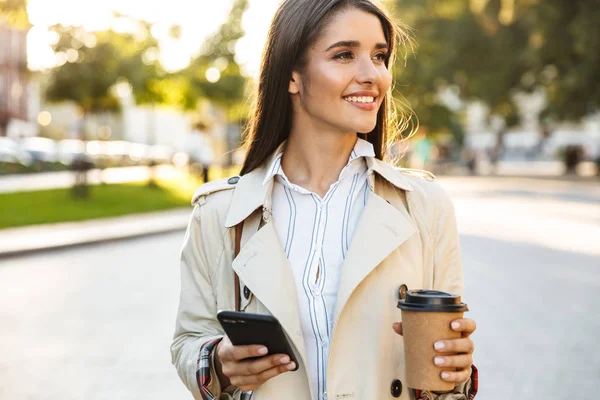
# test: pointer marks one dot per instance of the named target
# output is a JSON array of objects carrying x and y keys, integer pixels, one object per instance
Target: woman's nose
[{"x": 367, "y": 71}]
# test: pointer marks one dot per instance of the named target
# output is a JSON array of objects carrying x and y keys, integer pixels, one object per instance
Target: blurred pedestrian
[
  {"x": 424, "y": 151},
  {"x": 497, "y": 151},
  {"x": 327, "y": 231},
  {"x": 200, "y": 150}
]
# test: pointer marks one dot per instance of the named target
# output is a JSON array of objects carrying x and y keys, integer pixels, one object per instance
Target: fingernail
[
  {"x": 262, "y": 351},
  {"x": 445, "y": 375},
  {"x": 291, "y": 366},
  {"x": 438, "y": 360},
  {"x": 455, "y": 325},
  {"x": 284, "y": 360},
  {"x": 439, "y": 345}
]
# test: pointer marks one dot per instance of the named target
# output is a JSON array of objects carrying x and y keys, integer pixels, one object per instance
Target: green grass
[{"x": 57, "y": 205}]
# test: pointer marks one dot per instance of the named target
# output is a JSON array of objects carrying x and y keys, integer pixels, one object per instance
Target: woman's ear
[{"x": 294, "y": 87}]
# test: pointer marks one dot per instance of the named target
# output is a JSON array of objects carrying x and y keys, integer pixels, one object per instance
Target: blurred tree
[
  {"x": 14, "y": 12},
  {"x": 564, "y": 51},
  {"x": 488, "y": 49},
  {"x": 95, "y": 63},
  {"x": 88, "y": 68},
  {"x": 214, "y": 73},
  {"x": 462, "y": 54}
]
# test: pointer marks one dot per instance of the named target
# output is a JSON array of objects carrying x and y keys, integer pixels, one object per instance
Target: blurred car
[
  {"x": 139, "y": 154},
  {"x": 161, "y": 154},
  {"x": 107, "y": 154},
  {"x": 98, "y": 153},
  {"x": 11, "y": 152},
  {"x": 71, "y": 151},
  {"x": 42, "y": 150},
  {"x": 118, "y": 153}
]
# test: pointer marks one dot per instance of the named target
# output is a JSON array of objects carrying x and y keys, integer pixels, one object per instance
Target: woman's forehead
[{"x": 352, "y": 26}]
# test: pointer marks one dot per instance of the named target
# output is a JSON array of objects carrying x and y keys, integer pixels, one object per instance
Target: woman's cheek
[{"x": 386, "y": 80}]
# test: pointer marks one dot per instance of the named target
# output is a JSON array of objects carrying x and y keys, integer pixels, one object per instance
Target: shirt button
[
  {"x": 316, "y": 292},
  {"x": 324, "y": 396}
]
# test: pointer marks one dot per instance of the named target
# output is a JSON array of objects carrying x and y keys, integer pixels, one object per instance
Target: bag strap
[{"x": 238, "y": 240}]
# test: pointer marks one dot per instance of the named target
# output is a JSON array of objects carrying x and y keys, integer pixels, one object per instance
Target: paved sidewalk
[{"x": 16, "y": 241}]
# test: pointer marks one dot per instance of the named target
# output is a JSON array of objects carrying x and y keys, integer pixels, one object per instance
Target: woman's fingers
[
  {"x": 462, "y": 345},
  {"x": 397, "y": 327},
  {"x": 228, "y": 352},
  {"x": 464, "y": 325},
  {"x": 258, "y": 366},
  {"x": 460, "y": 361},
  {"x": 250, "y": 382},
  {"x": 456, "y": 376}
]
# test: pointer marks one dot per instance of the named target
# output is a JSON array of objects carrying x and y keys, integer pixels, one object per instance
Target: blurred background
[{"x": 112, "y": 113}]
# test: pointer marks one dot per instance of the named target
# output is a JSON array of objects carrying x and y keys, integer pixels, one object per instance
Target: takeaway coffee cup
[{"x": 426, "y": 318}]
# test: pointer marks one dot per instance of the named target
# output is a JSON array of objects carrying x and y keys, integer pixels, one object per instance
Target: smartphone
[{"x": 247, "y": 329}]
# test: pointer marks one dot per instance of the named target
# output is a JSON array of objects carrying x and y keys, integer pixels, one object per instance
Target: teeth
[{"x": 362, "y": 99}]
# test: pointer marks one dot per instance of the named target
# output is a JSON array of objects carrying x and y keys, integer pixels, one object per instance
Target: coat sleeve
[
  {"x": 196, "y": 324},
  {"x": 447, "y": 262}
]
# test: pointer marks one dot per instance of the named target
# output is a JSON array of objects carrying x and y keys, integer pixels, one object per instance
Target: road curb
[{"x": 40, "y": 238}]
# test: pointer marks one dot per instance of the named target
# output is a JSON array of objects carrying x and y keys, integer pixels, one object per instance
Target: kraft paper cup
[{"x": 426, "y": 318}]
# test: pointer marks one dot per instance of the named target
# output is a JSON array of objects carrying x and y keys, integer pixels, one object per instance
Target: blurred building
[
  {"x": 526, "y": 140},
  {"x": 19, "y": 99},
  {"x": 158, "y": 125}
]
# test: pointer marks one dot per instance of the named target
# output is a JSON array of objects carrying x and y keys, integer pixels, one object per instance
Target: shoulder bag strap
[{"x": 238, "y": 239}]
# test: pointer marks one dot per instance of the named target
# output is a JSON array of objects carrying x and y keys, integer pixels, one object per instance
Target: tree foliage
[
  {"x": 218, "y": 51},
  {"x": 488, "y": 49},
  {"x": 110, "y": 57},
  {"x": 14, "y": 12},
  {"x": 96, "y": 61}
]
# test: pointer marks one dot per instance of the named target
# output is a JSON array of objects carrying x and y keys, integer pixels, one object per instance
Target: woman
[{"x": 329, "y": 230}]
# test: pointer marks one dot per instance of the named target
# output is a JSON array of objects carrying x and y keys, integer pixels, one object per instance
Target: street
[{"x": 95, "y": 322}]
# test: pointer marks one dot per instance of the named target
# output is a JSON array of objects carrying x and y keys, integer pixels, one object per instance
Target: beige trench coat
[{"x": 391, "y": 246}]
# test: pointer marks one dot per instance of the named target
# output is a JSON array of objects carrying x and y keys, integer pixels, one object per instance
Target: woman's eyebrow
[{"x": 354, "y": 43}]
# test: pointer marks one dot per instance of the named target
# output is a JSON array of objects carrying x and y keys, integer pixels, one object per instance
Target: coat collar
[{"x": 253, "y": 191}]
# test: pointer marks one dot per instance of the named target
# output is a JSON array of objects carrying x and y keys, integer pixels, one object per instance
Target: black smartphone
[{"x": 247, "y": 329}]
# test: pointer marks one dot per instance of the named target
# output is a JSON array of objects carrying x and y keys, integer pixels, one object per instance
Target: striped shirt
[{"x": 316, "y": 233}]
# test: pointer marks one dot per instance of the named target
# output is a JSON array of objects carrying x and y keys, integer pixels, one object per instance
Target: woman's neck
[{"x": 314, "y": 160}]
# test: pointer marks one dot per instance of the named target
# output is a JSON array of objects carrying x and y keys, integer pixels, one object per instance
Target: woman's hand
[
  {"x": 234, "y": 368},
  {"x": 462, "y": 347}
]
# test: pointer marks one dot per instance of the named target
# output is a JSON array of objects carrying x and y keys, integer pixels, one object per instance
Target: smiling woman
[{"x": 319, "y": 231}]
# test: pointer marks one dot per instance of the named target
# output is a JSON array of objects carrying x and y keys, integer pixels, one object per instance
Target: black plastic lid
[{"x": 431, "y": 301}]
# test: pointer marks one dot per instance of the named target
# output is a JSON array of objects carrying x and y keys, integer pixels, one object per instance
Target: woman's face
[{"x": 345, "y": 78}]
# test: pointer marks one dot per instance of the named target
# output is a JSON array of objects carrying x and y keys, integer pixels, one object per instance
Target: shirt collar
[
  {"x": 362, "y": 148},
  {"x": 255, "y": 188}
]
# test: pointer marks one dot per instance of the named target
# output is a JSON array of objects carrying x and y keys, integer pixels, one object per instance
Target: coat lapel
[
  {"x": 265, "y": 270},
  {"x": 381, "y": 229}
]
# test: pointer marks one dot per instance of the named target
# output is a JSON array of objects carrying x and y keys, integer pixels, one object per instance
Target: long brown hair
[{"x": 295, "y": 28}]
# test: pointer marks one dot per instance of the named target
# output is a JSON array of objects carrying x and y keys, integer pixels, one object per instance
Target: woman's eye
[
  {"x": 344, "y": 56},
  {"x": 381, "y": 56}
]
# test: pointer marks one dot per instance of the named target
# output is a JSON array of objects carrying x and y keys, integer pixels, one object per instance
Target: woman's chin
[{"x": 365, "y": 128}]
